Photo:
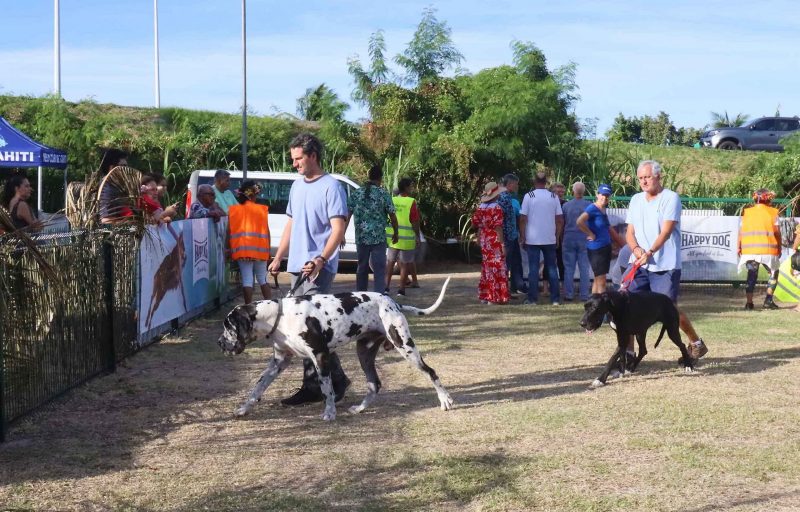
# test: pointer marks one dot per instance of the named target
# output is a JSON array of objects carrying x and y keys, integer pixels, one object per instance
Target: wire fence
[{"x": 56, "y": 336}]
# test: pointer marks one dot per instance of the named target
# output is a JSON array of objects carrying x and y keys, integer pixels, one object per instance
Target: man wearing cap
[
  {"x": 541, "y": 222},
  {"x": 593, "y": 222},
  {"x": 222, "y": 195},
  {"x": 654, "y": 239}
]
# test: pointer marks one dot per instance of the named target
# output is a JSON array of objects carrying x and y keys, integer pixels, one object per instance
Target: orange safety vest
[
  {"x": 249, "y": 227},
  {"x": 757, "y": 234}
]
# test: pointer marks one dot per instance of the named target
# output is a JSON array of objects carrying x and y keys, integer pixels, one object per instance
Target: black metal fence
[{"x": 55, "y": 336}]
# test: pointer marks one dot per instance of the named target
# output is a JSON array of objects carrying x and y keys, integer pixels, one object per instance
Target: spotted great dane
[{"x": 312, "y": 326}]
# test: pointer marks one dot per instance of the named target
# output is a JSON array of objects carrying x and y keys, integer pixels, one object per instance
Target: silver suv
[{"x": 763, "y": 133}]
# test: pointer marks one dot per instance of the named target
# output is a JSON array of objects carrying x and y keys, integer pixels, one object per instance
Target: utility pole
[
  {"x": 57, "y": 48},
  {"x": 155, "y": 30},
  {"x": 244, "y": 89}
]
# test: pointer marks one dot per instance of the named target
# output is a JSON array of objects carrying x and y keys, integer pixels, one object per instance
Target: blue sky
[{"x": 687, "y": 58}]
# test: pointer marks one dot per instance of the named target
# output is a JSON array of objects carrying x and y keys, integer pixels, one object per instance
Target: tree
[
  {"x": 457, "y": 133},
  {"x": 625, "y": 129},
  {"x": 321, "y": 103},
  {"x": 378, "y": 73},
  {"x": 430, "y": 52},
  {"x": 723, "y": 121}
]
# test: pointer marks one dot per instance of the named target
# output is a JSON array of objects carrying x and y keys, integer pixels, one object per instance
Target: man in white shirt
[{"x": 541, "y": 224}]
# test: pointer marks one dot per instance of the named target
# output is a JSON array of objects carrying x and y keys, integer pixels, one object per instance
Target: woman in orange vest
[
  {"x": 760, "y": 244},
  {"x": 249, "y": 239}
]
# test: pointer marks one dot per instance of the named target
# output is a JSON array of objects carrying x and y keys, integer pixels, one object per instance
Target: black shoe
[
  {"x": 339, "y": 391},
  {"x": 304, "y": 396},
  {"x": 749, "y": 306},
  {"x": 770, "y": 304}
]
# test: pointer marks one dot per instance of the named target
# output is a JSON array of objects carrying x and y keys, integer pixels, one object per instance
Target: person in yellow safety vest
[
  {"x": 248, "y": 223},
  {"x": 760, "y": 244},
  {"x": 408, "y": 229},
  {"x": 788, "y": 288}
]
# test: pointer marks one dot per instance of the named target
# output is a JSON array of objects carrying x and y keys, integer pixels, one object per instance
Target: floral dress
[{"x": 493, "y": 286}]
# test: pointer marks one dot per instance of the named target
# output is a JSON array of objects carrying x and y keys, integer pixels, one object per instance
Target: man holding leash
[
  {"x": 654, "y": 238},
  {"x": 317, "y": 213}
]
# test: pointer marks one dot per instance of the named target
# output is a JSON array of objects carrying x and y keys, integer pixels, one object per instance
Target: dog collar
[{"x": 277, "y": 318}]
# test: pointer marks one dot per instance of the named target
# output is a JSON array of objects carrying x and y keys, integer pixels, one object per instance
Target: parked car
[
  {"x": 275, "y": 188},
  {"x": 764, "y": 133}
]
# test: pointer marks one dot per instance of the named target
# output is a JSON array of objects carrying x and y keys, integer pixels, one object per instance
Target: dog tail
[
  {"x": 418, "y": 311},
  {"x": 661, "y": 335}
]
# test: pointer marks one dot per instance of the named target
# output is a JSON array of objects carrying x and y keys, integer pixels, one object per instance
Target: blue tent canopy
[{"x": 19, "y": 150}]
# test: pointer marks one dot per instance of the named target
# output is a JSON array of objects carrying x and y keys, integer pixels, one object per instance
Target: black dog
[{"x": 633, "y": 314}]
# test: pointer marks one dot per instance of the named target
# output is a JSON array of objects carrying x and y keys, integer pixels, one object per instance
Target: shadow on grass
[{"x": 383, "y": 486}]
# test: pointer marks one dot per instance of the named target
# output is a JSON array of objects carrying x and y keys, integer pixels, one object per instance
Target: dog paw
[
  {"x": 688, "y": 369},
  {"x": 329, "y": 416},
  {"x": 447, "y": 404},
  {"x": 355, "y": 409},
  {"x": 596, "y": 384},
  {"x": 242, "y": 411}
]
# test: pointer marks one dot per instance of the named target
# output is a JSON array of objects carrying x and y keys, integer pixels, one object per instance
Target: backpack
[{"x": 787, "y": 225}]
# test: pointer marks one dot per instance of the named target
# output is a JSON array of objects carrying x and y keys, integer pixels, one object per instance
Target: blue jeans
[
  {"x": 514, "y": 265},
  {"x": 550, "y": 269},
  {"x": 575, "y": 253},
  {"x": 376, "y": 253}
]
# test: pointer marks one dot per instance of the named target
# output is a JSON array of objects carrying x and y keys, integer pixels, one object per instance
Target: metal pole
[
  {"x": 57, "y": 49},
  {"x": 2, "y": 391},
  {"x": 39, "y": 191},
  {"x": 155, "y": 30},
  {"x": 244, "y": 89}
]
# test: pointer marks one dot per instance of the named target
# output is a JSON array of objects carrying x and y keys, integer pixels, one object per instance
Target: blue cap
[{"x": 604, "y": 190}]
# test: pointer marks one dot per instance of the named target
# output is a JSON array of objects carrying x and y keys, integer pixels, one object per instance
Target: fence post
[
  {"x": 108, "y": 275},
  {"x": 2, "y": 390}
]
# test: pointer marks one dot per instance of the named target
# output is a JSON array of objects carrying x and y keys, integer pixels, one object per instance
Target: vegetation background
[{"x": 450, "y": 130}]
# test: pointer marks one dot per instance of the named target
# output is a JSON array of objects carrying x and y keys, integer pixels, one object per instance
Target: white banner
[
  {"x": 200, "y": 252},
  {"x": 709, "y": 248}
]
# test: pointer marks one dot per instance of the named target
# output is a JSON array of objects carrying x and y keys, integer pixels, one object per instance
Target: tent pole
[{"x": 39, "y": 191}]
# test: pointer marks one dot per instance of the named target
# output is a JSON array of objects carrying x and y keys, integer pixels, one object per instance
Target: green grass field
[{"x": 526, "y": 432}]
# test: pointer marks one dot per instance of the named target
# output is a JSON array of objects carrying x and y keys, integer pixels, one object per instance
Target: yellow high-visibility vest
[
  {"x": 757, "y": 234},
  {"x": 788, "y": 288},
  {"x": 406, "y": 241},
  {"x": 249, "y": 227}
]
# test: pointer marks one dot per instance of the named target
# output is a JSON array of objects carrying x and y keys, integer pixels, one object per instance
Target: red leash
[{"x": 627, "y": 279}]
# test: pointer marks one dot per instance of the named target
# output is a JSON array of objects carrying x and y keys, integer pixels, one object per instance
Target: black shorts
[{"x": 600, "y": 260}]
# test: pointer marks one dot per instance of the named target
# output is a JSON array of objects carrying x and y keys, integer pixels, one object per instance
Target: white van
[{"x": 275, "y": 188}]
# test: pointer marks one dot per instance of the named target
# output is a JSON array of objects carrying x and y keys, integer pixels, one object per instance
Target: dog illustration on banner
[{"x": 169, "y": 276}]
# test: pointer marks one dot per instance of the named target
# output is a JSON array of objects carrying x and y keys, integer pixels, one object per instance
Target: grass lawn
[{"x": 526, "y": 432}]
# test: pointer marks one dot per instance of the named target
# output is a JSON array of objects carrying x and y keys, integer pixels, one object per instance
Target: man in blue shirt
[
  {"x": 654, "y": 238},
  {"x": 506, "y": 201},
  {"x": 317, "y": 212}
]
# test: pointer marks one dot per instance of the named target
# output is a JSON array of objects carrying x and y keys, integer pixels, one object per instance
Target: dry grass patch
[{"x": 526, "y": 433}]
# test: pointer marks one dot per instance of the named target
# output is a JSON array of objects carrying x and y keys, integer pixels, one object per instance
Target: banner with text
[{"x": 182, "y": 268}]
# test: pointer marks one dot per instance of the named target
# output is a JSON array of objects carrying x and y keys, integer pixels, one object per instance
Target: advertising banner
[{"x": 182, "y": 268}]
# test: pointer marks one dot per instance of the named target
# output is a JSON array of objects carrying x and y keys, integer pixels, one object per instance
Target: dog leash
[
  {"x": 627, "y": 279},
  {"x": 303, "y": 278}
]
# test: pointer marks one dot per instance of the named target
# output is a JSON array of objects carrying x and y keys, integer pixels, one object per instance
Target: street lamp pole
[
  {"x": 155, "y": 30},
  {"x": 57, "y": 48},
  {"x": 244, "y": 89}
]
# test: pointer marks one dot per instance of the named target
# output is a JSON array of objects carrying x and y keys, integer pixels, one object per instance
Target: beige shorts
[{"x": 393, "y": 255}]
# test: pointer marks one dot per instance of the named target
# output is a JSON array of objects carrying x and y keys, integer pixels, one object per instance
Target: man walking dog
[
  {"x": 317, "y": 212},
  {"x": 655, "y": 240}
]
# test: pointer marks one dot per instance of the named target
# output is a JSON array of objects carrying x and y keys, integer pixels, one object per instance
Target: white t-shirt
[
  {"x": 540, "y": 206},
  {"x": 647, "y": 217}
]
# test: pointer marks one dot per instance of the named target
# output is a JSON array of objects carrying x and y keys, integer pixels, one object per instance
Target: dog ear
[{"x": 242, "y": 322}]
